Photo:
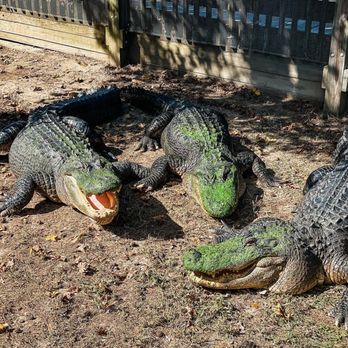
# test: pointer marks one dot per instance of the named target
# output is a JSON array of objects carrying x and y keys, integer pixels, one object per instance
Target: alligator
[
  {"x": 56, "y": 153},
  {"x": 287, "y": 256},
  {"x": 197, "y": 147}
]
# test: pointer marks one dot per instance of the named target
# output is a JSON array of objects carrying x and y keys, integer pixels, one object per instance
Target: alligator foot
[
  {"x": 147, "y": 143},
  {"x": 224, "y": 232},
  {"x": 340, "y": 312},
  {"x": 144, "y": 185},
  {"x": 264, "y": 175},
  {"x": 273, "y": 181},
  {"x": 3, "y": 198},
  {"x": 129, "y": 171},
  {"x": 19, "y": 197}
]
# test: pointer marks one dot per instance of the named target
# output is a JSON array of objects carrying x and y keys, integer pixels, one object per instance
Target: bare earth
[{"x": 66, "y": 282}]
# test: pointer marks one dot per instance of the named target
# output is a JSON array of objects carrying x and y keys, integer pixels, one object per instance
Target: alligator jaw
[
  {"x": 258, "y": 275},
  {"x": 102, "y": 208},
  {"x": 221, "y": 207}
]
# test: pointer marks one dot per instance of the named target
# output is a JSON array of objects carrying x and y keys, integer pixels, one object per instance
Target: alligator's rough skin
[
  {"x": 197, "y": 147},
  {"x": 54, "y": 153},
  {"x": 288, "y": 257}
]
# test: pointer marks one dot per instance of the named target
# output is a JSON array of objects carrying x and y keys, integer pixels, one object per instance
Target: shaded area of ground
[{"x": 66, "y": 282}]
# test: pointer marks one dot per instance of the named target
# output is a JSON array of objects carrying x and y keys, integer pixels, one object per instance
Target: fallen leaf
[
  {"x": 3, "y": 327},
  {"x": 34, "y": 249},
  {"x": 257, "y": 92},
  {"x": 146, "y": 77},
  {"x": 255, "y": 306},
  {"x": 281, "y": 312},
  {"x": 51, "y": 237}
]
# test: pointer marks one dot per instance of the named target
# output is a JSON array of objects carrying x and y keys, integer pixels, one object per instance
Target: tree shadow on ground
[
  {"x": 290, "y": 125},
  {"x": 12, "y": 116},
  {"x": 43, "y": 207},
  {"x": 142, "y": 216}
]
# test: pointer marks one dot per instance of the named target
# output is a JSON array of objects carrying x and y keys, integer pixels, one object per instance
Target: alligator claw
[
  {"x": 3, "y": 199},
  {"x": 143, "y": 186},
  {"x": 340, "y": 312},
  {"x": 5, "y": 210},
  {"x": 147, "y": 143},
  {"x": 225, "y": 226},
  {"x": 273, "y": 181}
]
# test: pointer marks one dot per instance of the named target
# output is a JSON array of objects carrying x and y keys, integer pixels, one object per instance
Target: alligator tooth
[{"x": 95, "y": 202}]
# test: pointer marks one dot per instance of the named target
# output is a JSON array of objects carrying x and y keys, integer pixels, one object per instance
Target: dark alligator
[
  {"x": 197, "y": 147},
  {"x": 287, "y": 256},
  {"x": 54, "y": 153}
]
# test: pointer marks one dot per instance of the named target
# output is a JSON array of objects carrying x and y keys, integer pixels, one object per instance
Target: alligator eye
[
  {"x": 226, "y": 173},
  {"x": 250, "y": 241},
  {"x": 273, "y": 243},
  {"x": 79, "y": 166}
]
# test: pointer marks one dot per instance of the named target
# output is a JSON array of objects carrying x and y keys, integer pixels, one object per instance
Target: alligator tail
[
  {"x": 341, "y": 151},
  {"x": 148, "y": 101},
  {"x": 95, "y": 106}
]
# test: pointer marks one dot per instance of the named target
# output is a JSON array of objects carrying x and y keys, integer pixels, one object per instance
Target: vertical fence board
[
  {"x": 335, "y": 99},
  {"x": 84, "y": 12},
  {"x": 274, "y": 43},
  {"x": 289, "y": 28},
  {"x": 313, "y": 15}
]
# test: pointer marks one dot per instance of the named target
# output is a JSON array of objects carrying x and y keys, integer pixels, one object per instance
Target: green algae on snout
[{"x": 239, "y": 250}]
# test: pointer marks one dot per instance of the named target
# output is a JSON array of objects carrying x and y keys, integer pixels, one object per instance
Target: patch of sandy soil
[{"x": 124, "y": 285}]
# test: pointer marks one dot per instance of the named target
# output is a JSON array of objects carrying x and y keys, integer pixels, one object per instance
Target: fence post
[
  {"x": 113, "y": 33},
  {"x": 335, "y": 99}
]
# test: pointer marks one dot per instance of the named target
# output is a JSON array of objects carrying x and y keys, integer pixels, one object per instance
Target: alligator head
[
  {"x": 90, "y": 186},
  {"x": 250, "y": 258},
  {"x": 215, "y": 188}
]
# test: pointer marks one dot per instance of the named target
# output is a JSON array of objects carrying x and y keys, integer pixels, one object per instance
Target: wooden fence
[
  {"x": 294, "y": 47},
  {"x": 73, "y": 26},
  {"x": 288, "y": 28}
]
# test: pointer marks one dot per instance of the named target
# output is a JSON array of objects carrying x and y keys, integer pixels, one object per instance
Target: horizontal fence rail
[
  {"x": 79, "y": 11},
  {"x": 289, "y": 28}
]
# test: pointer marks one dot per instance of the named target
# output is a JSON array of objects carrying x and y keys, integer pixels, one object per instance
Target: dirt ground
[{"x": 66, "y": 282}]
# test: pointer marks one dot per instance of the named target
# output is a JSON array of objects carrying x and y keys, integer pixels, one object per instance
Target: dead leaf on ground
[
  {"x": 3, "y": 327},
  {"x": 51, "y": 238},
  {"x": 34, "y": 250},
  {"x": 280, "y": 311}
]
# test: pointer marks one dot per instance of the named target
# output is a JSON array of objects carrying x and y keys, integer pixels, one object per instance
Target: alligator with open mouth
[
  {"x": 287, "y": 256},
  {"x": 57, "y": 153}
]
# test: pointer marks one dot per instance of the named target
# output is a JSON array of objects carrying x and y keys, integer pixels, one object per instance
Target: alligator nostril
[{"x": 196, "y": 255}]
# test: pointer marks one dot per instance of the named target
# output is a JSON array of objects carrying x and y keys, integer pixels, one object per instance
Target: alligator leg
[
  {"x": 302, "y": 273},
  {"x": 8, "y": 134},
  {"x": 19, "y": 196},
  {"x": 128, "y": 171},
  {"x": 340, "y": 312},
  {"x": 83, "y": 128},
  {"x": 160, "y": 170},
  {"x": 153, "y": 132},
  {"x": 248, "y": 159},
  {"x": 79, "y": 125},
  {"x": 316, "y": 176},
  {"x": 224, "y": 232}
]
